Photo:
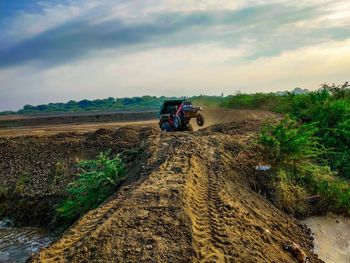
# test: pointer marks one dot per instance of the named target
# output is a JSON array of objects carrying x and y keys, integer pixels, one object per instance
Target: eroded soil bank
[{"x": 34, "y": 171}]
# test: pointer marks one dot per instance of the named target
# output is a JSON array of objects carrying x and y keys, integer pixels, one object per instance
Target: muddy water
[
  {"x": 18, "y": 243},
  {"x": 332, "y": 238}
]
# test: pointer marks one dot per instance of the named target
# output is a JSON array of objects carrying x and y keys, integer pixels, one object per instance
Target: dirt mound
[
  {"x": 190, "y": 200},
  {"x": 37, "y": 159},
  {"x": 34, "y": 171}
]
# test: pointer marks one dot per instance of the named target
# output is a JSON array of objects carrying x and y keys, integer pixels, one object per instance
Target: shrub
[
  {"x": 329, "y": 111},
  {"x": 334, "y": 130},
  {"x": 294, "y": 152},
  {"x": 95, "y": 182},
  {"x": 288, "y": 142},
  {"x": 326, "y": 110}
]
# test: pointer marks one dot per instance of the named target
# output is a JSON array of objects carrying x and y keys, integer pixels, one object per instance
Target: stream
[
  {"x": 332, "y": 237},
  {"x": 18, "y": 243}
]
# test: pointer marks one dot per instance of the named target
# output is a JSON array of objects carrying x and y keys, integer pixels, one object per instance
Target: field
[
  {"x": 21, "y": 125},
  {"x": 187, "y": 196}
]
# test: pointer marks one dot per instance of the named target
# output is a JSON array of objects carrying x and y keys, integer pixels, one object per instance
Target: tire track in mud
[
  {"x": 92, "y": 223},
  {"x": 206, "y": 208},
  {"x": 72, "y": 240},
  {"x": 68, "y": 246},
  {"x": 194, "y": 204}
]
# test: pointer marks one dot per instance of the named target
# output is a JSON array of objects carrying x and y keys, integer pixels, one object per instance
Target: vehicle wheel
[
  {"x": 200, "y": 119},
  {"x": 177, "y": 122},
  {"x": 166, "y": 127}
]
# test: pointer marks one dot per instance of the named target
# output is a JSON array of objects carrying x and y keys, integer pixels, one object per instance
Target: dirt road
[
  {"x": 45, "y": 130},
  {"x": 212, "y": 116},
  {"x": 188, "y": 199}
]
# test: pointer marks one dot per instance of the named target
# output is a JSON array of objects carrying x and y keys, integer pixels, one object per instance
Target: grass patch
[
  {"x": 299, "y": 170},
  {"x": 334, "y": 190},
  {"x": 288, "y": 194},
  {"x": 96, "y": 181}
]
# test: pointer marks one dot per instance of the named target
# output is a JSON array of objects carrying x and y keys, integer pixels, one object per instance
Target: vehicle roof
[{"x": 171, "y": 102}]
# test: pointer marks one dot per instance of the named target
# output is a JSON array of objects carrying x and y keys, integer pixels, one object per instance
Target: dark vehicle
[{"x": 175, "y": 115}]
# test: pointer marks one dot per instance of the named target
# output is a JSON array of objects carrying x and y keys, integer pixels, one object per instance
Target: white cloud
[
  {"x": 215, "y": 63},
  {"x": 25, "y": 25},
  {"x": 178, "y": 71},
  {"x": 306, "y": 67}
]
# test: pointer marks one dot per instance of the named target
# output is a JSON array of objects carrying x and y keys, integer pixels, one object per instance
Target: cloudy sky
[{"x": 57, "y": 50}]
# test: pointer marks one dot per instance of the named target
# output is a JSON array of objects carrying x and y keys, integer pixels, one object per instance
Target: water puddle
[
  {"x": 18, "y": 243},
  {"x": 332, "y": 238}
]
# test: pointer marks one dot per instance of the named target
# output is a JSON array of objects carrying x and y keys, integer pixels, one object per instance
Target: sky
[{"x": 58, "y": 50}]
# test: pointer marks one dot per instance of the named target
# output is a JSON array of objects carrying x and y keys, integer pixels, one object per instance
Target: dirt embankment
[
  {"x": 190, "y": 200},
  {"x": 76, "y": 117},
  {"x": 34, "y": 171}
]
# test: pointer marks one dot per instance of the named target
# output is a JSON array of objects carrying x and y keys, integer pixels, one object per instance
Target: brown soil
[
  {"x": 212, "y": 116},
  {"x": 44, "y": 130},
  {"x": 188, "y": 199},
  {"x": 76, "y": 118},
  {"x": 35, "y": 170}
]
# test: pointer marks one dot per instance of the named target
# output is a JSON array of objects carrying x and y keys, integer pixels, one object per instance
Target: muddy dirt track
[{"x": 188, "y": 198}]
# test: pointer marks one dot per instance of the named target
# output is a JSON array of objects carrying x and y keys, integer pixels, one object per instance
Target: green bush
[
  {"x": 295, "y": 153},
  {"x": 96, "y": 181},
  {"x": 288, "y": 142},
  {"x": 324, "y": 114}
]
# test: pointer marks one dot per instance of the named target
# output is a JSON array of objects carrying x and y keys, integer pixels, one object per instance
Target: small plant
[
  {"x": 96, "y": 181},
  {"x": 21, "y": 183},
  {"x": 4, "y": 191},
  {"x": 60, "y": 170}
]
